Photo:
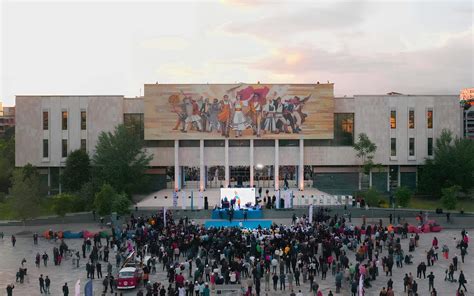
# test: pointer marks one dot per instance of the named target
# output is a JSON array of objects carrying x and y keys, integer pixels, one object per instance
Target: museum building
[{"x": 269, "y": 136}]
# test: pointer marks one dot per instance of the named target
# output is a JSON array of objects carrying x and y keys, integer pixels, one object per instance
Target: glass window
[
  {"x": 263, "y": 143},
  {"x": 45, "y": 148},
  {"x": 64, "y": 120},
  {"x": 411, "y": 147},
  {"x": 159, "y": 143},
  {"x": 393, "y": 119},
  {"x": 288, "y": 143},
  {"x": 64, "y": 148},
  {"x": 189, "y": 143},
  {"x": 239, "y": 143},
  {"x": 343, "y": 129},
  {"x": 430, "y": 146},
  {"x": 214, "y": 143},
  {"x": 429, "y": 118},
  {"x": 393, "y": 147},
  {"x": 83, "y": 120},
  {"x": 134, "y": 122},
  {"x": 83, "y": 144},
  {"x": 411, "y": 118},
  {"x": 45, "y": 120}
]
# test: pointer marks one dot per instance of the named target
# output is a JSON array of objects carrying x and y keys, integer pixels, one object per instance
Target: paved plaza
[{"x": 10, "y": 259}]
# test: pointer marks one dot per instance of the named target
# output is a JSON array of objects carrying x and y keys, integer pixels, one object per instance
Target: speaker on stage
[{"x": 206, "y": 203}]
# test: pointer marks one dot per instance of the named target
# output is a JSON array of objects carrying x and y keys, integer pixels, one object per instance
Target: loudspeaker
[
  {"x": 206, "y": 204},
  {"x": 240, "y": 181},
  {"x": 439, "y": 211}
]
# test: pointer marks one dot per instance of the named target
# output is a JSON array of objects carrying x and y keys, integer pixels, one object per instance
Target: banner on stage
[{"x": 242, "y": 196}]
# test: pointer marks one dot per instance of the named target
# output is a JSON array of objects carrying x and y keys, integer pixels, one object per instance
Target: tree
[
  {"x": 7, "y": 162},
  {"x": 25, "y": 192},
  {"x": 77, "y": 171},
  {"x": 365, "y": 151},
  {"x": 121, "y": 161},
  {"x": 449, "y": 197},
  {"x": 452, "y": 164},
  {"x": 87, "y": 194},
  {"x": 104, "y": 200},
  {"x": 371, "y": 196},
  {"x": 403, "y": 196},
  {"x": 121, "y": 204},
  {"x": 65, "y": 203}
]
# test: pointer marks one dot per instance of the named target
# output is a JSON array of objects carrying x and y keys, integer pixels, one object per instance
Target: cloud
[
  {"x": 445, "y": 68},
  {"x": 334, "y": 16},
  {"x": 165, "y": 43}
]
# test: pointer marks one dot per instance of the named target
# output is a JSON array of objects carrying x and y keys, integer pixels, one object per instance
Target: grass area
[
  {"x": 7, "y": 211},
  {"x": 432, "y": 204}
]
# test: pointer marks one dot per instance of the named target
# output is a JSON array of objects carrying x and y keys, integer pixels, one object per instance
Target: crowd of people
[{"x": 198, "y": 260}]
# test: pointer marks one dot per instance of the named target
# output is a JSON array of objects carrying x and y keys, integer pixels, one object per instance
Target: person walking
[
  {"x": 98, "y": 268},
  {"x": 41, "y": 284},
  {"x": 65, "y": 290},
  {"x": 13, "y": 240},
  {"x": 275, "y": 281},
  {"x": 45, "y": 259},
  {"x": 462, "y": 281},
  {"x": 47, "y": 283}
]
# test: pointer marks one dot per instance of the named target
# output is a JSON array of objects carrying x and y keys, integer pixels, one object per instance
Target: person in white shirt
[{"x": 299, "y": 293}]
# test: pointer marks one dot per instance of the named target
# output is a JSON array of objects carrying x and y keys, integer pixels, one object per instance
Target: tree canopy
[
  {"x": 25, "y": 192},
  {"x": 120, "y": 160},
  {"x": 107, "y": 200},
  {"x": 7, "y": 161},
  {"x": 452, "y": 164},
  {"x": 365, "y": 150},
  {"x": 77, "y": 171}
]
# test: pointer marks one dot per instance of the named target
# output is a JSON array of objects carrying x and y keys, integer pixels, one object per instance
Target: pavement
[{"x": 11, "y": 257}]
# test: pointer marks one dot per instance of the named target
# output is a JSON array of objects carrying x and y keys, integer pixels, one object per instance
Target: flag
[
  {"x": 201, "y": 200},
  {"x": 77, "y": 288},
  {"x": 310, "y": 213},
  {"x": 192, "y": 200},
  {"x": 88, "y": 291},
  {"x": 361, "y": 285},
  {"x": 183, "y": 200}
]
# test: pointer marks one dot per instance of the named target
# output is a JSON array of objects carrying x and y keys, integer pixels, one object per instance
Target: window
[
  {"x": 429, "y": 118},
  {"x": 411, "y": 147},
  {"x": 84, "y": 145},
  {"x": 135, "y": 124},
  {"x": 393, "y": 119},
  {"x": 343, "y": 129},
  {"x": 45, "y": 120},
  {"x": 45, "y": 148},
  {"x": 64, "y": 120},
  {"x": 239, "y": 143},
  {"x": 83, "y": 120},
  {"x": 64, "y": 148},
  {"x": 430, "y": 146},
  {"x": 393, "y": 147},
  {"x": 411, "y": 118}
]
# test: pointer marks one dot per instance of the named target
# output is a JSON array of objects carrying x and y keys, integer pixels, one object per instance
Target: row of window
[
  {"x": 411, "y": 147},
  {"x": 64, "y": 120},
  {"x": 64, "y": 147},
  {"x": 411, "y": 119}
]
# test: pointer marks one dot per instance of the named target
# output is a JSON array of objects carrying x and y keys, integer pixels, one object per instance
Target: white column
[
  {"x": 301, "y": 166},
  {"x": 370, "y": 179},
  {"x": 388, "y": 178},
  {"x": 226, "y": 163},
  {"x": 277, "y": 166},
  {"x": 176, "y": 166},
  {"x": 251, "y": 163},
  {"x": 202, "y": 172}
]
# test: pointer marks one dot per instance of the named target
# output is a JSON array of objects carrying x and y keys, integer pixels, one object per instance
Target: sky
[{"x": 114, "y": 47}]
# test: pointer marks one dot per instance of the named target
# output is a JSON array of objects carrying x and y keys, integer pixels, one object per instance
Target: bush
[
  {"x": 371, "y": 196},
  {"x": 403, "y": 196},
  {"x": 104, "y": 200},
  {"x": 449, "y": 196},
  {"x": 121, "y": 204},
  {"x": 66, "y": 203}
]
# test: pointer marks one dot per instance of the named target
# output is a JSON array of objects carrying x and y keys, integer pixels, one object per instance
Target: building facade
[
  {"x": 7, "y": 118},
  {"x": 404, "y": 128}
]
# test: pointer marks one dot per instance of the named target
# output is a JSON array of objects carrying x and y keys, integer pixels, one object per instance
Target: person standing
[
  {"x": 47, "y": 283},
  {"x": 10, "y": 289},
  {"x": 98, "y": 268},
  {"x": 13, "y": 240},
  {"x": 431, "y": 278},
  {"x": 41, "y": 284},
  {"x": 65, "y": 290},
  {"x": 275, "y": 281},
  {"x": 45, "y": 259}
]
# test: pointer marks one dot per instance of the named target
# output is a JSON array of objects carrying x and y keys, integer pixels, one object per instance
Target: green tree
[
  {"x": 449, "y": 196},
  {"x": 452, "y": 164},
  {"x": 365, "y": 151},
  {"x": 121, "y": 204},
  {"x": 7, "y": 162},
  {"x": 104, "y": 200},
  {"x": 64, "y": 203},
  {"x": 77, "y": 171},
  {"x": 371, "y": 196},
  {"x": 87, "y": 194},
  {"x": 25, "y": 192},
  {"x": 403, "y": 196},
  {"x": 121, "y": 161}
]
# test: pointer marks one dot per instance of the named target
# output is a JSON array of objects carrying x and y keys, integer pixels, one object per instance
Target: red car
[{"x": 129, "y": 278}]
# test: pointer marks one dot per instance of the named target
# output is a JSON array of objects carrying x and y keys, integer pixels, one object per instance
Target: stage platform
[
  {"x": 250, "y": 224},
  {"x": 238, "y": 214}
]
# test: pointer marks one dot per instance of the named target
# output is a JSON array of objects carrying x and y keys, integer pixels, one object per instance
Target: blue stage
[
  {"x": 252, "y": 224},
  {"x": 251, "y": 214}
]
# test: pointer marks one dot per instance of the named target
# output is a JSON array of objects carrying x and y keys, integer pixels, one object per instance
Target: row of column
[{"x": 202, "y": 172}]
